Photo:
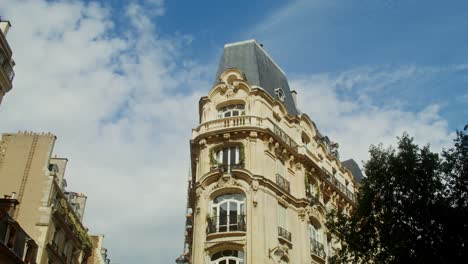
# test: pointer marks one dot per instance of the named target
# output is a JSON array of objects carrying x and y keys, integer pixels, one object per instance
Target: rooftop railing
[{"x": 230, "y": 122}]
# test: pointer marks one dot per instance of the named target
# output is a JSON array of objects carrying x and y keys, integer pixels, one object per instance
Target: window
[
  {"x": 228, "y": 156},
  {"x": 231, "y": 110},
  {"x": 316, "y": 241},
  {"x": 228, "y": 257},
  {"x": 280, "y": 94},
  {"x": 314, "y": 189},
  {"x": 315, "y": 233},
  {"x": 282, "y": 216},
  {"x": 227, "y": 214},
  {"x": 280, "y": 168},
  {"x": 280, "y": 176}
]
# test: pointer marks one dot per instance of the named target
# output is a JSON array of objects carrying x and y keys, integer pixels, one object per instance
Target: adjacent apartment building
[
  {"x": 49, "y": 214},
  {"x": 16, "y": 246},
  {"x": 263, "y": 176},
  {"x": 6, "y": 62},
  {"x": 99, "y": 253}
]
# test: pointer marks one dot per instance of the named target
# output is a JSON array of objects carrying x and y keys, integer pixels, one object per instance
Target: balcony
[
  {"x": 284, "y": 234},
  {"x": 234, "y": 223},
  {"x": 230, "y": 122},
  {"x": 15, "y": 242},
  {"x": 317, "y": 249},
  {"x": 283, "y": 183},
  {"x": 6, "y": 64},
  {"x": 341, "y": 187},
  {"x": 284, "y": 137},
  {"x": 226, "y": 168}
]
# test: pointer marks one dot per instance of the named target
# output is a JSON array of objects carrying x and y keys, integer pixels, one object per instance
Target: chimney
[
  {"x": 8, "y": 205},
  {"x": 294, "y": 96},
  {"x": 4, "y": 26}
]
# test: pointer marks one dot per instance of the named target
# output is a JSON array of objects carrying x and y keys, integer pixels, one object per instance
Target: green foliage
[
  {"x": 74, "y": 223},
  {"x": 307, "y": 184},
  {"x": 213, "y": 161},
  {"x": 241, "y": 154},
  {"x": 411, "y": 207}
]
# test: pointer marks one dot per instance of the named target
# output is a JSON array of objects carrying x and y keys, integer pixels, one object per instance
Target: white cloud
[
  {"x": 122, "y": 110},
  {"x": 358, "y": 121}
]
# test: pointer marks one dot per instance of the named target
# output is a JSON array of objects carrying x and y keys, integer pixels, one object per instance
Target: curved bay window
[
  {"x": 231, "y": 110},
  {"x": 227, "y": 214},
  {"x": 228, "y": 257},
  {"x": 316, "y": 241}
]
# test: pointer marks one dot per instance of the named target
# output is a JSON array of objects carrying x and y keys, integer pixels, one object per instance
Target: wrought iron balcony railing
[
  {"x": 331, "y": 179},
  {"x": 317, "y": 248},
  {"x": 228, "y": 223},
  {"x": 282, "y": 183},
  {"x": 283, "y": 233},
  {"x": 284, "y": 137}
]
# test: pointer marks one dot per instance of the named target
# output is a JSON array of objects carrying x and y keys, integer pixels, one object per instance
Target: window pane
[
  {"x": 282, "y": 216},
  {"x": 225, "y": 157},
  {"x": 232, "y": 158},
  {"x": 235, "y": 113},
  {"x": 227, "y": 114}
]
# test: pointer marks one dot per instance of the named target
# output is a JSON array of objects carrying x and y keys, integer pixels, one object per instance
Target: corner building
[{"x": 263, "y": 177}]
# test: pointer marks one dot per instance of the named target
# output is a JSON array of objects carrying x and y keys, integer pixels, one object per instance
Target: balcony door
[
  {"x": 228, "y": 156},
  {"x": 228, "y": 213},
  {"x": 228, "y": 257}
]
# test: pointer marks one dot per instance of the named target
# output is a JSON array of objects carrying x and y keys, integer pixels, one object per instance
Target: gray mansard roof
[
  {"x": 259, "y": 69},
  {"x": 354, "y": 168}
]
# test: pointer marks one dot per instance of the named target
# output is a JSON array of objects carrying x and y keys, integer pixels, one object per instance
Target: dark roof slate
[
  {"x": 259, "y": 69},
  {"x": 354, "y": 168}
]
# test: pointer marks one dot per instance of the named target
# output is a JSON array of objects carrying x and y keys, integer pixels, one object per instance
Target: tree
[{"x": 411, "y": 207}]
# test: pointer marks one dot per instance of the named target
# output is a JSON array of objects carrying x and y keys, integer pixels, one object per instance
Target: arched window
[
  {"x": 231, "y": 110},
  {"x": 228, "y": 257},
  {"x": 227, "y": 213},
  {"x": 316, "y": 240},
  {"x": 314, "y": 188}
]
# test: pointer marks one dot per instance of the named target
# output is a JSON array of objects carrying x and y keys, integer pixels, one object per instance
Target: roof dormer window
[
  {"x": 280, "y": 94},
  {"x": 231, "y": 110}
]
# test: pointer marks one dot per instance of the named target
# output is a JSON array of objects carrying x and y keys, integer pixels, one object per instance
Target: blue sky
[{"x": 118, "y": 83}]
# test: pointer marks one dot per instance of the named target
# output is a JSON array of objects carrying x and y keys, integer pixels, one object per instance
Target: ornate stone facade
[{"x": 263, "y": 177}]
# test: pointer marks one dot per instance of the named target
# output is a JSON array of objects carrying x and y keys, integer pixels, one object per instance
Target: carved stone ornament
[
  {"x": 298, "y": 166},
  {"x": 255, "y": 185},
  {"x": 224, "y": 182},
  {"x": 226, "y": 135},
  {"x": 229, "y": 89},
  {"x": 253, "y": 134},
  {"x": 202, "y": 142},
  {"x": 199, "y": 192},
  {"x": 302, "y": 214}
]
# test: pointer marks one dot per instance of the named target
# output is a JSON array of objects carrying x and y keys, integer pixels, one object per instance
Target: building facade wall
[
  {"x": 273, "y": 143},
  {"x": 28, "y": 171}
]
